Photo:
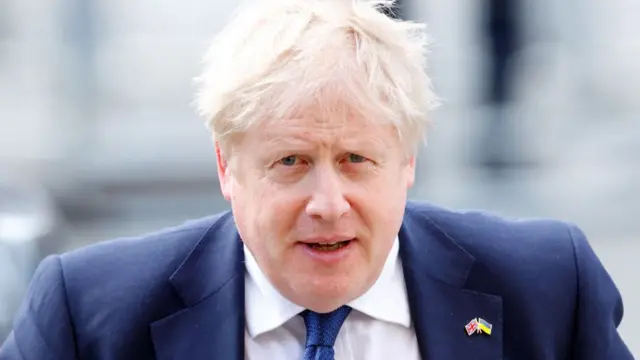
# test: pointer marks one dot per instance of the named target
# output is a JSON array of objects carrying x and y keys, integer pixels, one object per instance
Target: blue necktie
[{"x": 322, "y": 332}]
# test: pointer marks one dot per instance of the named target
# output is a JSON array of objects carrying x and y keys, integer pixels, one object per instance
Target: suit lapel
[
  {"x": 436, "y": 271},
  {"x": 211, "y": 284}
]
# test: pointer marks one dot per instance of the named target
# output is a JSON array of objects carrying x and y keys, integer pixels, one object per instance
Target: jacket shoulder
[
  {"x": 512, "y": 257},
  {"x": 155, "y": 252},
  {"x": 487, "y": 235},
  {"x": 544, "y": 271},
  {"x": 529, "y": 263},
  {"x": 124, "y": 283}
]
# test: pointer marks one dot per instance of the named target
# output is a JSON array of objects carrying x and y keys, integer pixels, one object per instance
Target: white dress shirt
[{"x": 378, "y": 328}]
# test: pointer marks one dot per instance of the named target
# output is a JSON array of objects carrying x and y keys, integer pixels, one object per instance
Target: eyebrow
[
  {"x": 305, "y": 141},
  {"x": 295, "y": 143}
]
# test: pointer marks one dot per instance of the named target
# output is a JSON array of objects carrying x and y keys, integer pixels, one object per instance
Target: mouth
[
  {"x": 328, "y": 251},
  {"x": 328, "y": 247}
]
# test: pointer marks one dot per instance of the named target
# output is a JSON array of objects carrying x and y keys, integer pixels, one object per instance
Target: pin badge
[{"x": 478, "y": 326}]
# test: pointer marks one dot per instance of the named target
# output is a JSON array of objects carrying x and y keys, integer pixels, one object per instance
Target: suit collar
[
  {"x": 214, "y": 261},
  {"x": 210, "y": 282},
  {"x": 436, "y": 269},
  {"x": 426, "y": 249}
]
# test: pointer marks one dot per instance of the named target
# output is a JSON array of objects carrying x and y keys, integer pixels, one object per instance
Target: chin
[
  {"x": 324, "y": 303},
  {"x": 325, "y": 307},
  {"x": 326, "y": 294}
]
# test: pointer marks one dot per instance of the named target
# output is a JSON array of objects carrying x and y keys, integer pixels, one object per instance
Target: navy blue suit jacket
[{"x": 179, "y": 294}]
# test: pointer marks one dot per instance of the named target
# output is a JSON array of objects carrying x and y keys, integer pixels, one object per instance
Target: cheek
[
  {"x": 266, "y": 215},
  {"x": 281, "y": 214},
  {"x": 380, "y": 204},
  {"x": 385, "y": 186}
]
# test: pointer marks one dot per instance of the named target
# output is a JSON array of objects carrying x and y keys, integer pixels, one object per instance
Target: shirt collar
[
  {"x": 265, "y": 308},
  {"x": 386, "y": 300}
]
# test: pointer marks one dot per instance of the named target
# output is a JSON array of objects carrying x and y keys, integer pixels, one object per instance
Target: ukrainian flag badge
[{"x": 484, "y": 326}]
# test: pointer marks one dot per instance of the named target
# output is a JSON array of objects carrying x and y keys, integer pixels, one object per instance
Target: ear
[
  {"x": 411, "y": 171},
  {"x": 224, "y": 177}
]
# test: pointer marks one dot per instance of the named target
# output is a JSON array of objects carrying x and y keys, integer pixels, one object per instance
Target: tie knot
[{"x": 322, "y": 329}]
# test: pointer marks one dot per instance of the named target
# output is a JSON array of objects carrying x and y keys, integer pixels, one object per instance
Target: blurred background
[{"x": 98, "y": 138}]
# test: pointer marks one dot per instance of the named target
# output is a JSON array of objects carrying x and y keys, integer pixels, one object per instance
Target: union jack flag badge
[{"x": 472, "y": 327}]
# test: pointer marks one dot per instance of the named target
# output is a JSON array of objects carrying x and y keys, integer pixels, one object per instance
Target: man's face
[{"x": 298, "y": 184}]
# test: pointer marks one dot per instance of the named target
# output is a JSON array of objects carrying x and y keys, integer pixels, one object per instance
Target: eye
[
  {"x": 355, "y": 158},
  {"x": 290, "y": 160}
]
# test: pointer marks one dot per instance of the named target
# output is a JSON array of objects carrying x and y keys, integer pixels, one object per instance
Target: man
[{"x": 317, "y": 108}]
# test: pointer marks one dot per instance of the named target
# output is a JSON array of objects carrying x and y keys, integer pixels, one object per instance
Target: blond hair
[{"x": 276, "y": 56}]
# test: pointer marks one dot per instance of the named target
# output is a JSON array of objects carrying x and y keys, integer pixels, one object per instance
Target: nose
[{"x": 328, "y": 200}]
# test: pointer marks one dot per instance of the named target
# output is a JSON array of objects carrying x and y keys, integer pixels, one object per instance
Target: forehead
[{"x": 328, "y": 128}]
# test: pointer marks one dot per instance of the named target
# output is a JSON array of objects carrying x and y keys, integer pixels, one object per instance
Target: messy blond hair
[{"x": 277, "y": 56}]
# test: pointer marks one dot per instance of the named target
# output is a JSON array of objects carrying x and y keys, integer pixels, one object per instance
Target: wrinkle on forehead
[
  {"x": 329, "y": 118},
  {"x": 346, "y": 133}
]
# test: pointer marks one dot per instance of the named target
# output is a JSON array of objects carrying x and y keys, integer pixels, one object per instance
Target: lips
[
  {"x": 329, "y": 247},
  {"x": 328, "y": 244}
]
